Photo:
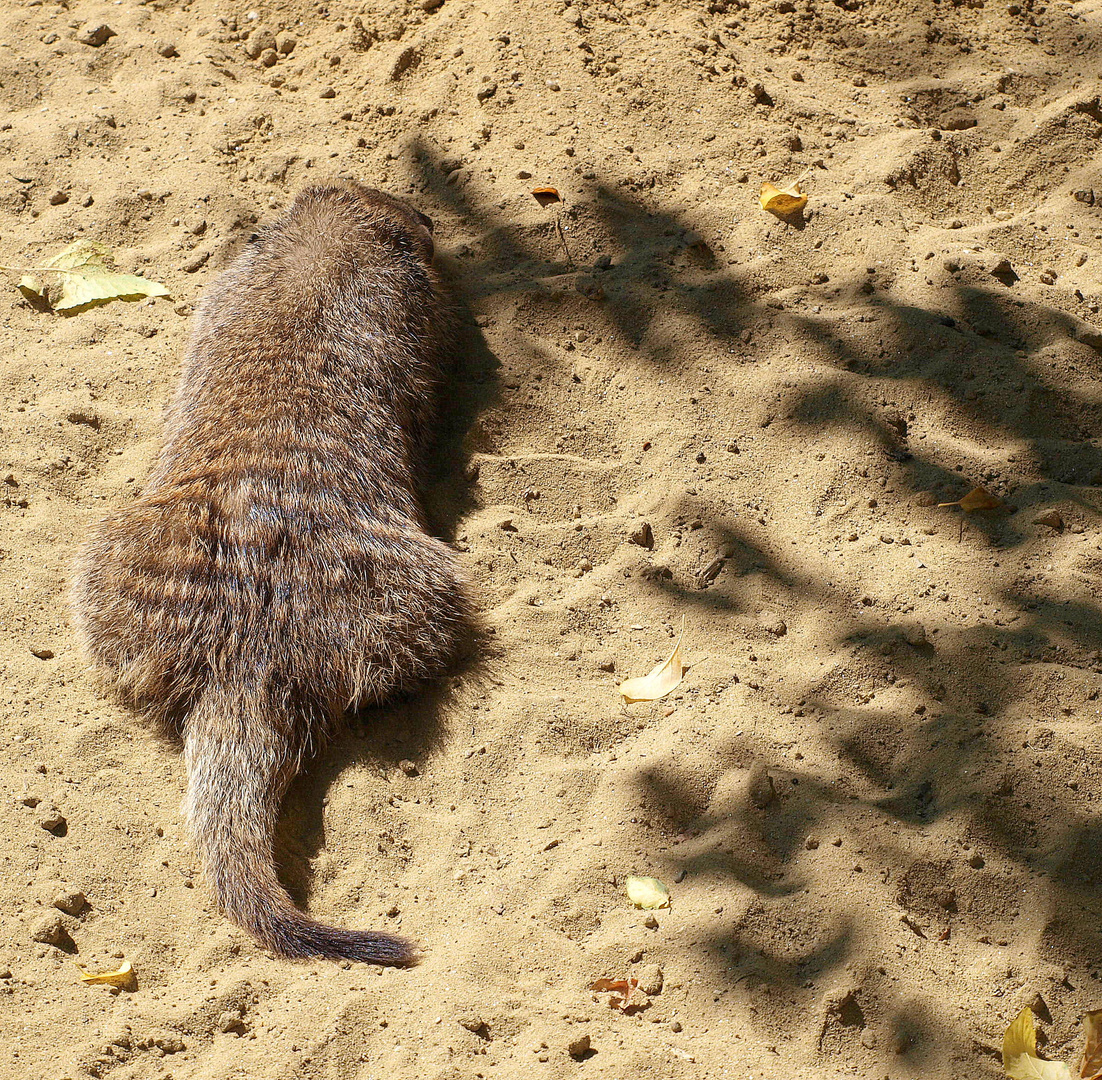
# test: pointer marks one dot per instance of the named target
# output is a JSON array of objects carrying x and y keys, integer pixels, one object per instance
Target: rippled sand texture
[{"x": 875, "y": 797}]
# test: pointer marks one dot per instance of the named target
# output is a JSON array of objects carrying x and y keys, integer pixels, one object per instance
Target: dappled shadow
[{"x": 950, "y": 751}]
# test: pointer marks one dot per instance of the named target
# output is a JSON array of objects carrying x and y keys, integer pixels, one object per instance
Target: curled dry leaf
[
  {"x": 647, "y": 892},
  {"x": 82, "y": 275},
  {"x": 976, "y": 499},
  {"x": 123, "y": 977},
  {"x": 785, "y": 203},
  {"x": 660, "y": 681},
  {"x": 1091, "y": 1068},
  {"x": 621, "y": 992},
  {"x": 1020, "y": 1060},
  {"x": 545, "y": 196}
]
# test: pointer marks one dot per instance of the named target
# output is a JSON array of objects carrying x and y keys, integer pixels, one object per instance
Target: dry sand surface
[{"x": 875, "y": 797}]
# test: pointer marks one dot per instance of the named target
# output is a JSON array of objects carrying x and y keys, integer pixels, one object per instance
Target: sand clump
[{"x": 874, "y": 795}]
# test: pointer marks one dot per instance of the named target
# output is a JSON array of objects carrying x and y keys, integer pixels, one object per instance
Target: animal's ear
[{"x": 426, "y": 236}]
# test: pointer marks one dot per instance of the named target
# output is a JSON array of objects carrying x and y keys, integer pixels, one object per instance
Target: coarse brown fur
[{"x": 275, "y": 572}]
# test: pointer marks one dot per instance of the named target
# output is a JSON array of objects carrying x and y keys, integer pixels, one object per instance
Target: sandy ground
[{"x": 875, "y": 798}]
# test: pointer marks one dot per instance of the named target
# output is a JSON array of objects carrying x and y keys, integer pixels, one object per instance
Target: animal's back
[{"x": 275, "y": 571}]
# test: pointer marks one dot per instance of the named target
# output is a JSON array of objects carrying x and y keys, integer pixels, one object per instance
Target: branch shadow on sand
[{"x": 954, "y": 755}]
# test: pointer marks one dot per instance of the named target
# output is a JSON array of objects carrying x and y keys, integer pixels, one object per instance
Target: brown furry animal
[{"x": 275, "y": 572}]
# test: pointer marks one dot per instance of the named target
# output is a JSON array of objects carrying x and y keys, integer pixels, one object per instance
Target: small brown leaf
[
  {"x": 621, "y": 991},
  {"x": 615, "y": 986},
  {"x": 976, "y": 499},
  {"x": 785, "y": 203},
  {"x": 545, "y": 196}
]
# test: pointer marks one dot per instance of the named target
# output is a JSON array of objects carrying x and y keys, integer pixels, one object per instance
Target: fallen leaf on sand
[
  {"x": 82, "y": 274},
  {"x": 784, "y": 202},
  {"x": 647, "y": 892},
  {"x": 1051, "y": 518},
  {"x": 621, "y": 991},
  {"x": 976, "y": 499},
  {"x": 660, "y": 681},
  {"x": 1091, "y": 1068},
  {"x": 545, "y": 196},
  {"x": 1020, "y": 1060},
  {"x": 123, "y": 977}
]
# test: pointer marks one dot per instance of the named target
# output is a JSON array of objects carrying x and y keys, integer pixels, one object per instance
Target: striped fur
[{"x": 275, "y": 571}]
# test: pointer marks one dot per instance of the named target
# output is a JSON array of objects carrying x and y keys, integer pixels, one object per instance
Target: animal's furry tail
[{"x": 240, "y": 759}]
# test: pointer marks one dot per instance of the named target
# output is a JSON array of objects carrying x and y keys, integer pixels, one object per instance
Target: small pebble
[
  {"x": 43, "y": 654},
  {"x": 408, "y": 767},
  {"x": 773, "y": 624},
  {"x": 95, "y": 34},
  {"x": 650, "y": 979},
  {"x": 51, "y": 819},
  {"x": 762, "y": 788},
  {"x": 50, "y": 930},
  {"x": 59, "y": 198},
  {"x": 71, "y": 901},
  {"x": 643, "y": 535},
  {"x": 232, "y": 1022},
  {"x": 258, "y": 42},
  {"x": 579, "y": 1047},
  {"x": 588, "y": 287}
]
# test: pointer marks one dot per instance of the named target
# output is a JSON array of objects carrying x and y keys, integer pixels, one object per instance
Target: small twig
[{"x": 562, "y": 237}]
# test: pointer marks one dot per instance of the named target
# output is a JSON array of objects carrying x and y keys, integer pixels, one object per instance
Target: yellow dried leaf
[
  {"x": 81, "y": 275},
  {"x": 660, "y": 681},
  {"x": 124, "y": 977},
  {"x": 1092, "y": 1049},
  {"x": 785, "y": 202},
  {"x": 647, "y": 892},
  {"x": 976, "y": 499},
  {"x": 1020, "y": 1060}
]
